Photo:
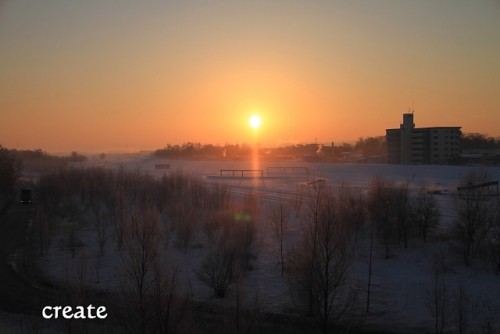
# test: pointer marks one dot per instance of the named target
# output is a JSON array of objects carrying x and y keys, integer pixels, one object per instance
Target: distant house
[{"x": 410, "y": 145}]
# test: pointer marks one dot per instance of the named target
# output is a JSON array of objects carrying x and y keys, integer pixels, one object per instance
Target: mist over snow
[{"x": 401, "y": 283}]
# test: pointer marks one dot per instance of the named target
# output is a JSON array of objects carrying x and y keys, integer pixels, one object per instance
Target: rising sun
[{"x": 255, "y": 121}]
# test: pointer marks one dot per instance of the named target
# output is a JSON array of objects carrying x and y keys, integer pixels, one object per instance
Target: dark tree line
[
  {"x": 371, "y": 146},
  {"x": 479, "y": 141},
  {"x": 10, "y": 169},
  {"x": 366, "y": 146},
  {"x": 203, "y": 151}
]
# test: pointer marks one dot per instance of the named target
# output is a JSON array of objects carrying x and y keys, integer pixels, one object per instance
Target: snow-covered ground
[
  {"x": 401, "y": 284},
  {"x": 356, "y": 175}
]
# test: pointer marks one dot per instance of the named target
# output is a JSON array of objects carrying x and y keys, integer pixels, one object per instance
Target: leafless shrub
[
  {"x": 217, "y": 268},
  {"x": 231, "y": 239}
]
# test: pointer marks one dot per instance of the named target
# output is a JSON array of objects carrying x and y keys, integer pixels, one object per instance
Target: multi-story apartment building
[{"x": 410, "y": 145}]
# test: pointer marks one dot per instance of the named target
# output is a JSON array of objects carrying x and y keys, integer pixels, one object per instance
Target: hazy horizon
[{"x": 120, "y": 75}]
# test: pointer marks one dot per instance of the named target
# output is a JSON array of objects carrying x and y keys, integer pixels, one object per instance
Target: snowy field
[
  {"x": 356, "y": 175},
  {"x": 401, "y": 284}
]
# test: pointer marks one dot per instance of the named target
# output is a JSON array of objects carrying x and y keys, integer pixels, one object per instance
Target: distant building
[{"x": 410, "y": 145}]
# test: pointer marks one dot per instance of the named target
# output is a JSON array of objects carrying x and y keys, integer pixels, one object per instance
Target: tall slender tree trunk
[{"x": 368, "y": 294}]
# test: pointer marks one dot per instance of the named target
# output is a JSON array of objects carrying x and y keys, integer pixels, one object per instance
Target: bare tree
[
  {"x": 381, "y": 211},
  {"x": 100, "y": 226},
  {"x": 185, "y": 222},
  {"x": 477, "y": 213},
  {"x": 424, "y": 213},
  {"x": 42, "y": 228},
  {"x": 217, "y": 268},
  {"x": 388, "y": 206},
  {"x": 251, "y": 205},
  {"x": 81, "y": 279},
  {"x": 370, "y": 273},
  {"x": 297, "y": 199},
  {"x": 218, "y": 198},
  {"x": 239, "y": 295},
  {"x": 169, "y": 308},
  {"x": 400, "y": 199},
  {"x": 279, "y": 215},
  {"x": 231, "y": 242},
  {"x": 352, "y": 208},
  {"x": 489, "y": 322},
  {"x": 304, "y": 256},
  {"x": 71, "y": 207},
  {"x": 319, "y": 269},
  {"x": 212, "y": 226},
  {"x": 494, "y": 244},
  {"x": 462, "y": 308},
  {"x": 72, "y": 242},
  {"x": 120, "y": 210},
  {"x": 142, "y": 238},
  {"x": 439, "y": 297},
  {"x": 243, "y": 236}
]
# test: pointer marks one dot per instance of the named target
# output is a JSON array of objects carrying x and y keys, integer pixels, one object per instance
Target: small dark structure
[{"x": 26, "y": 196}]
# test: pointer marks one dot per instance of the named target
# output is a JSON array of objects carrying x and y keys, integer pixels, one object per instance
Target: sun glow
[{"x": 255, "y": 121}]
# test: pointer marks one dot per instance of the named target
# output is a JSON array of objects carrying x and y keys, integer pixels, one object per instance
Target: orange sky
[{"x": 97, "y": 76}]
